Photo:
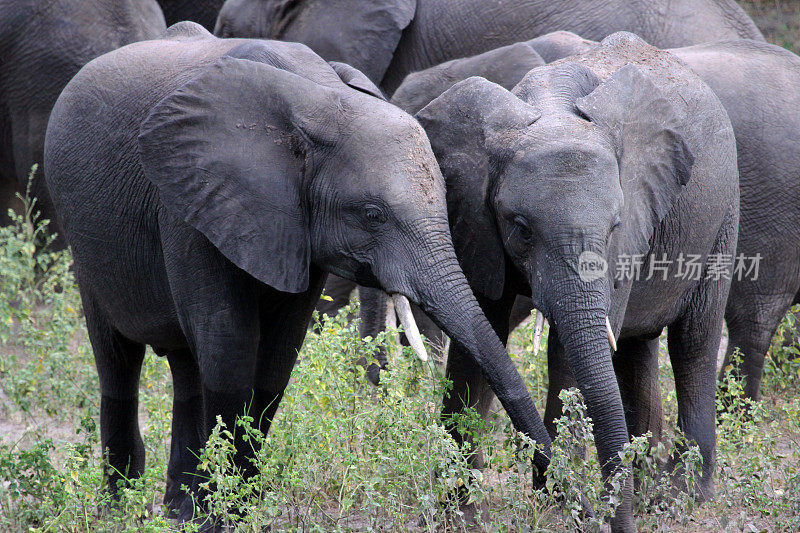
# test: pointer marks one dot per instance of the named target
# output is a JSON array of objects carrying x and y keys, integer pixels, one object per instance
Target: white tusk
[
  {"x": 391, "y": 317},
  {"x": 611, "y": 340},
  {"x": 403, "y": 310},
  {"x": 537, "y": 331}
]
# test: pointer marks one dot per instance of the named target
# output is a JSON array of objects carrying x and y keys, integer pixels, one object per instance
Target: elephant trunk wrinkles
[
  {"x": 444, "y": 294},
  {"x": 578, "y": 311}
]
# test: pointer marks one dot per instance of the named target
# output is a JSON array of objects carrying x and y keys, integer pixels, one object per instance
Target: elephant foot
[
  {"x": 701, "y": 490},
  {"x": 623, "y": 522},
  {"x": 471, "y": 516}
]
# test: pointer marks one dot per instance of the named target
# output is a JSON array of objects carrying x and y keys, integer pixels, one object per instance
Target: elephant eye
[
  {"x": 522, "y": 228},
  {"x": 616, "y": 223},
  {"x": 374, "y": 215}
]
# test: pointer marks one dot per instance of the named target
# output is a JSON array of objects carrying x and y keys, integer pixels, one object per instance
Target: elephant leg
[
  {"x": 187, "y": 422},
  {"x": 28, "y": 131},
  {"x": 339, "y": 290},
  {"x": 282, "y": 333},
  {"x": 373, "y": 321},
  {"x": 218, "y": 312},
  {"x": 693, "y": 345},
  {"x": 523, "y": 306},
  {"x": 8, "y": 199},
  {"x": 753, "y": 315},
  {"x": 119, "y": 364},
  {"x": 559, "y": 376},
  {"x": 636, "y": 366}
]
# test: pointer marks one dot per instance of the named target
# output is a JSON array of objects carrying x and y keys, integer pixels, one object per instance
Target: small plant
[{"x": 572, "y": 476}]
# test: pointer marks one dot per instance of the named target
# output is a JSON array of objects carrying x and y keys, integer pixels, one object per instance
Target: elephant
[
  {"x": 587, "y": 187},
  {"x": 752, "y": 80},
  {"x": 42, "y": 45},
  {"x": 755, "y": 82},
  {"x": 230, "y": 176},
  {"x": 389, "y": 39},
  {"x": 204, "y": 12}
]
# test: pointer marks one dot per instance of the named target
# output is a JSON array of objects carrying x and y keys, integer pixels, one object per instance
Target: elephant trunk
[
  {"x": 578, "y": 311},
  {"x": 444, "y": 294}
]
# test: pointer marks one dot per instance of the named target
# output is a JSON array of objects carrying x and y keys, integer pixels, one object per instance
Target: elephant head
[
  {"x": 563, "y": 170},
  {"x": 282, "y": 168},
  {"x": 361, "y": 34}
]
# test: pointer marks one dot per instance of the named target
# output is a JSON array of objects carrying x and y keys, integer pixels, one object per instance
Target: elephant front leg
[
  {"x": 693, "y": 345},
  {"x": 187, "y": 435},
  {"x": 636, "y": 366}
]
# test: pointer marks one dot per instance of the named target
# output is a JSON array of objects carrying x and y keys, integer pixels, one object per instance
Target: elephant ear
[
  {"x": 361, "y": 33},
  {"x": 470, "y": 126},
  {"x": 226, "y": 152},
  {"x": 356, "y": 79},
  {"x": 655, "y": 161}
]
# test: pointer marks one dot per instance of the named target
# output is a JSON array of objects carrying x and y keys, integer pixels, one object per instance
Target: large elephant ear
[
  {"x": 469, "y": 127},
  {"x": 655, "y": 160},
  {"x": 226, "y": 152}
]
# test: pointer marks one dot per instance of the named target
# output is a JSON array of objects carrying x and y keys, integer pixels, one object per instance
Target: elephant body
[
  {"x": 388, "y": 39},
  {"x": 526, "y": 205},
  {"x": 204, "y": 12},
  {"x": 201, "y": 224},
  {"x": 42, "y": 45}
]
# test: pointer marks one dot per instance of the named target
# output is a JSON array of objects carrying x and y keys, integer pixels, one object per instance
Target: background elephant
[
  {"x": 389, "y": 39},
  {"x": 202, "y": 222},
  {"x": 751, "y": 80},
  {"x": 42, "y": 45},
  {"x": 596, "y": 160},
  {"x": 755, "y": 82},
  {"x": 204, "y": 12}
]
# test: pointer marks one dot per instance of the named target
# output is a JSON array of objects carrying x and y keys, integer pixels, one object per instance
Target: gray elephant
[
  {"x": 388, "y": 39},
  {"x": 754, "y": 81},
  {"x": 42, "y": 45},
  {"x": 616, "y": 161},
  {"x": 204, "y": 12},
  {"x": 230, "y": 175}
]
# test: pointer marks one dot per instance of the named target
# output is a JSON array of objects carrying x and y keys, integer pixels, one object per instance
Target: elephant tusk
[
  {"x": 611, "y": 340},
  {"x": 403, "y": 310},
  {"x": 537, "y": 331}
]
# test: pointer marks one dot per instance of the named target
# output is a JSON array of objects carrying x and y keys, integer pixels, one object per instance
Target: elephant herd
[{"x": 620, "y": 166}]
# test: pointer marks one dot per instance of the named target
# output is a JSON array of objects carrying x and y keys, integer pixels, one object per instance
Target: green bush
[{"x": 343, "y": 455}]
